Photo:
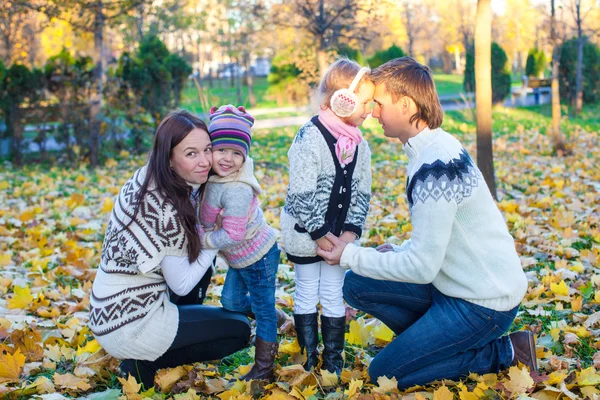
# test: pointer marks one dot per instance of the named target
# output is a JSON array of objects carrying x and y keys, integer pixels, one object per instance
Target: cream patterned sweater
[
  {"x": 131, "y": 315},
  {"x": 459, "y": 242}
]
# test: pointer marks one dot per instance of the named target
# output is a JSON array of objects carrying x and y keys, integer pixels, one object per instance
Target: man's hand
[
  {"x": 384, "y": 248},
  {"x": 348, "y": 236},
  {"x": 324, "y": 243},
  {"x": 333, "y": 256}
]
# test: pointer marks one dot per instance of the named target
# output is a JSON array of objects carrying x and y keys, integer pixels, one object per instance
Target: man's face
[{"x": 390, "y": 115}]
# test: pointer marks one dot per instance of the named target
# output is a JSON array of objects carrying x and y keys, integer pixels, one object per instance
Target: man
[{"x": 454, "y": 288}]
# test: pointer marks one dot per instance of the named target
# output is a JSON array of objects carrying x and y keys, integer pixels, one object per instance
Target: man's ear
[{"x": 405, "y": 104}]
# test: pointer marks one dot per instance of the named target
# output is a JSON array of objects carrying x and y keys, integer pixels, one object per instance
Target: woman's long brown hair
[{"x": 173, "y": 188}]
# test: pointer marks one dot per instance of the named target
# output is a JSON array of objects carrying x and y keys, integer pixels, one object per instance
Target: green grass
[
  {"x": 223, "y": 93},
  {"x": 448, "y": 84},
  {"x": 507, "y": 120},
  {"x": 270, "y": 146}
]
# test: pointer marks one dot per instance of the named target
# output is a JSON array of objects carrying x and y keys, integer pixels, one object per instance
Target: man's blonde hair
[
  {"x": 339, "y": 75},
  {"x": 406, "y": 77}
]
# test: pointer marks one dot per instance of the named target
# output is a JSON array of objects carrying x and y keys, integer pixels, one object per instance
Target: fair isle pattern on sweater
[
  {"x": 459, "y": 242},
  {"x": 134, "y": 303},
  {"x": 311, "y": 206},
  {"x": 129, "y": 299},
  {"x": 453, "y": 180}
]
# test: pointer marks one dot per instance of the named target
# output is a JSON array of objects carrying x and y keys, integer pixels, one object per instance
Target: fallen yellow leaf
[
  {"x": 519, "y": 380},
  {"x": 21, "y": 298},
  {"x": 355, "y": 386},
  {"x": 11, "y": 366},
  {"x": 560, "y": 289},
  {"x": 443, "y": 393}
]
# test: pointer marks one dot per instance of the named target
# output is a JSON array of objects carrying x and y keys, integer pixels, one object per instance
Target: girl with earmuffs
[{"x": 329, "y": 191}]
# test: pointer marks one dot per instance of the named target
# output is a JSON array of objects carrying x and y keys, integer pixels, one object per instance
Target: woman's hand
[{"x": 324, "y": 243}]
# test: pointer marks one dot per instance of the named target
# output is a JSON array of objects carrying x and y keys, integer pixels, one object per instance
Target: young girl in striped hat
[{"x": 244, "y": 238}]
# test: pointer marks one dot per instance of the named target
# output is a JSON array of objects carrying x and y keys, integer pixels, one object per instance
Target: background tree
[
  {"x": 93, "y": 15},
  {"x": 558, "y": 141},
  {"x": 329, "y": 22},
  {"x": 500, "y": 74},
  {"x": 483, "y": 93},
  {"x": 383, "y": 56},
  {"x": 536, "y": 63},
  {"x": 20, "y": 87}
]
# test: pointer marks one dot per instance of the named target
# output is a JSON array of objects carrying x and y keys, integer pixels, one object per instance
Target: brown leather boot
[
  {"x": 264, "y": 356},
  {"x": 523, "y": 343}
]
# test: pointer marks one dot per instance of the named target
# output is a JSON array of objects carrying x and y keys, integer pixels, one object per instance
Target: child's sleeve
[
  {"x": 361, "y": 194},
  {"x": 236, "y": 201},
  {"x": 304, "y": 201}
]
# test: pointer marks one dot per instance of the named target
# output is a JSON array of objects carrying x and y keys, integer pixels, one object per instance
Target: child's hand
[
  {"x": 324, "y": 244},
  {"x": 384, "y": 248},
  {"x": 348, "y": 236},
  {"x": 219, "y": 221}
]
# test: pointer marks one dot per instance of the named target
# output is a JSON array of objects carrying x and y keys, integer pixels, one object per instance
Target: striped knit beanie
[{"x": 230, "y": 127}]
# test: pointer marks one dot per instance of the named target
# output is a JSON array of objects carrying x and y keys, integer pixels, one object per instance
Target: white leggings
[{"x": 319, "y": 281}]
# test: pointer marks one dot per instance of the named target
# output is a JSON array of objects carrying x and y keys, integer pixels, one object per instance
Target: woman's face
[{"x": 191, "y": 159}]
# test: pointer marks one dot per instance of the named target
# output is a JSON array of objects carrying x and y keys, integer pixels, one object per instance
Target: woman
[{"x": 145, "y": 306}]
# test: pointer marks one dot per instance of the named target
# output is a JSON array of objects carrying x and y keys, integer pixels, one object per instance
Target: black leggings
[{"x": 204, "y": 333}]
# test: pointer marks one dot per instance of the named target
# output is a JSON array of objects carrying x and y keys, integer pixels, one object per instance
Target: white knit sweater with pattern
[{"x": 459, "y": 242}]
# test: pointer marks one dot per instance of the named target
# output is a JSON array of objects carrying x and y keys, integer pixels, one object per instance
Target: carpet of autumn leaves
[{"x": 52, "y": 222}]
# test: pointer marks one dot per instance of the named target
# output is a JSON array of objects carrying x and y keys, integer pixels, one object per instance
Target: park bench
[{"x": 539, "y": 88}]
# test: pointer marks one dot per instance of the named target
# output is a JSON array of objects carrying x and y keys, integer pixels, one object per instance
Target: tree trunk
[
  {"x": 15, "y": 132},
  {"x": 322, "y": 59},
  {"x": 96, "y": 94},
  {"x": 238, "y": 83},
  {"x": 557, "y": 137},
  {"x": 249, "y": 80},
  {"x": 579, "y": 76},
  {"x": 483, "y": 92}
]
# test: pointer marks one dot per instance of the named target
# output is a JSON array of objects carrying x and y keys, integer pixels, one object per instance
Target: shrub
[
  {"x": 500, "y": 74},
  {"x": 536, "y": 63},
  {"x": 383, "y": 56},
  {"x": 352, "y": 53},
  {"x": 591, "y": 71}
]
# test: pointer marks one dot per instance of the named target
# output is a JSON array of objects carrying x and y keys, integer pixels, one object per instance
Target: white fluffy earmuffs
[{"x": 344, "y": 101}]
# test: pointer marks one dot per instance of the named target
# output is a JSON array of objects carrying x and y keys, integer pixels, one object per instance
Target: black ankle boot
[
  {"x": 333, "y": 330},
  {"x": 307, "y": 329}
]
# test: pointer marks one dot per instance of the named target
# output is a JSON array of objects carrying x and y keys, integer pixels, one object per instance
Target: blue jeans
[
  {"x": 437, "y": 336},
  {"x": 252, "y": 289}
]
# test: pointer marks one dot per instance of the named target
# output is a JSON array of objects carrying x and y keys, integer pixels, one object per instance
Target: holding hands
[{"x": 333, "y": 254}]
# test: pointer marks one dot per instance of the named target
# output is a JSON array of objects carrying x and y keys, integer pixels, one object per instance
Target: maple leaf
[
  {"x": 355, "y": 386},
  {"x": 386, "y": 385},
  {"x": 464, "y": 393},
  {"x": 28, "y": 341},
  {"x": 328, "y": 379},
  {"x": 588, "y": 377},
  {"x": 130, "y": 387},
  {"x": 519, "y": 380},
  {"x": 382, "y": 333},
  {"x": 166, "y": 378},
  {"x": 443, "y": 393},
  {"x": 560, "y": 289},
  {"x": 21, "y": 298},
  {"x": 70, "y": 381},
  {"x": 11, "y": 366}
]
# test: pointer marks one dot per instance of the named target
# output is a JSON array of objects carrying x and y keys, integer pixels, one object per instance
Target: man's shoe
[{"x": 523, "y": 344}]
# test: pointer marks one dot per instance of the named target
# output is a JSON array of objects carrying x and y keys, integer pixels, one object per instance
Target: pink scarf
[{"x": 348, "y": 136}]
